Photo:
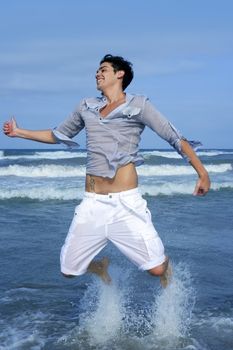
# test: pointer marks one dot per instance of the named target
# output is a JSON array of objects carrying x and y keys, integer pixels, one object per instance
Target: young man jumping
[{"x": 112, "y": 208}]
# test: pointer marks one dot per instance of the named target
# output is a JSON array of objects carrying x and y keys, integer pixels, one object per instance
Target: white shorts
[{"x": 122, "y": 218}]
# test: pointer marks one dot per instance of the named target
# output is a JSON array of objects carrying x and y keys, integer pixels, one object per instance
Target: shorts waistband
[{"x": 112, "y": 194}]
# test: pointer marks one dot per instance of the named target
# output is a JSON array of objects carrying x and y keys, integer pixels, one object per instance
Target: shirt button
[{"x": 110, "y": 196}]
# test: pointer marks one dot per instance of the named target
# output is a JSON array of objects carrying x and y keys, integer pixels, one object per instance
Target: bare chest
[{"x": 106, "y": 110}]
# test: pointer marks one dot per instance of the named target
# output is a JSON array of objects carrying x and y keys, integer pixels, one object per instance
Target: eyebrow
[{"x": 102, "y": 68}]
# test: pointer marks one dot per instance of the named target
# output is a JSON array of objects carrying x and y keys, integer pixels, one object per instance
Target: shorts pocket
[
  {"x": 84, "y": 209},
  {"x": 154, "y": 246},
  {"x": 137, "y": 205}
]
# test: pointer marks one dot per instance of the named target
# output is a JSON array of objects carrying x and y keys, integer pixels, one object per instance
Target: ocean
[{"x": 40, "y": 309}]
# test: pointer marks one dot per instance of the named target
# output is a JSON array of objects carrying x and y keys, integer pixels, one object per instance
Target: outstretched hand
[
  {"x": 10, "y": 127},
  {"x": 202, "y": 186}
]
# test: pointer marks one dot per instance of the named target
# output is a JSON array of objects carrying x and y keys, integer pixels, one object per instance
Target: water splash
[
  {"x": 110, "y": 318},
  {"x": 173, "y": 307},
  {"x": 103, "y": 321}
]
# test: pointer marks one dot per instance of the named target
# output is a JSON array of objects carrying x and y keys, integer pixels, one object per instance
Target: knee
[{"x": 159, "y": 270}]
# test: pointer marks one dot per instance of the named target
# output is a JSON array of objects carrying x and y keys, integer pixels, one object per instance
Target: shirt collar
[
  {"x": 128, "y": 98},
  {"x": 96, "y": 103}
]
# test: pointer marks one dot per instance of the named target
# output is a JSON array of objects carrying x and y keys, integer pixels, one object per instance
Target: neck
[{"x": 114, "y": 95}]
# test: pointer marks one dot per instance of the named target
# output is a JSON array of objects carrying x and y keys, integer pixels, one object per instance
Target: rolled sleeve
[
  {"x": 69, "y": 128},
  {"x": 152, "y": 118},
  {"x": 61, "y": 138}
]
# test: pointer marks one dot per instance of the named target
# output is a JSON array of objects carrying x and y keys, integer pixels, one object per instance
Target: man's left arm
[
  {"x": 203, "y": 183},
  {"x": 158, "y": 123}
]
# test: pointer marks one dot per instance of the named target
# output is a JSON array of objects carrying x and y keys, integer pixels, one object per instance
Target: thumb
[
  {"x": 196, "y": 190},
  {"x": 13, "y": 122}
]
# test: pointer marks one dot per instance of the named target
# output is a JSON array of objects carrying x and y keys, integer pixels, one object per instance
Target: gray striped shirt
[{"x": 113, "y": 141}]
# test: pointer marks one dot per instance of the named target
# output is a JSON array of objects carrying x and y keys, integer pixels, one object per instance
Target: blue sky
[{"x": 182, "y": 52}]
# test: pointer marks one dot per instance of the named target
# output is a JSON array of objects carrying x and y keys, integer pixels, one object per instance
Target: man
[{"x": 112, "y": 207}]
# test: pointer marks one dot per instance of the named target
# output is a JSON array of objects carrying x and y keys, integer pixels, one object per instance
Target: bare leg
[
  {"x": 100, "y": 268},
  {"x": 165, "y": 278},
  {"x": 164, "y": 272}
]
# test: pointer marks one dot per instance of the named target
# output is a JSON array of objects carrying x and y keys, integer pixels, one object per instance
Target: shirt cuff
[
  {"x": 194, "y": 144},
  {"x": 177, "y": 144},
  {"x": 61, "y": 138}
]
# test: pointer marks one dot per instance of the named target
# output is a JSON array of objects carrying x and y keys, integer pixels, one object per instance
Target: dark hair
[{"x": 119, "y": 63}]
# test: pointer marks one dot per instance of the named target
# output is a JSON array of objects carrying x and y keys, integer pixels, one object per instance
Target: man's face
[{"x": 106, "y": 77}]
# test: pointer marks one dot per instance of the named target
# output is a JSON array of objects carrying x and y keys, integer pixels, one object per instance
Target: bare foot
[
  {"x": 165, "y": 279},
  {"x": 100, "y": 268}
]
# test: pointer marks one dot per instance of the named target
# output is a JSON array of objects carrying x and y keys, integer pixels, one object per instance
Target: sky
[{"x": 181, "y": 50}]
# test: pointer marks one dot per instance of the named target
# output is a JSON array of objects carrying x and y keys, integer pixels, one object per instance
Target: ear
[{"x": 120, "y": 74}]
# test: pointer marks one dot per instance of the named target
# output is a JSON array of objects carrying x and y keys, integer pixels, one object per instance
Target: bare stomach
[{"x": 125, "y": 179}]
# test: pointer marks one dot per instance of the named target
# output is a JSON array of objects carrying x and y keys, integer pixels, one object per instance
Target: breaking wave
[
  {"x": 175, "y": 155},
  {"x": 43, "y": 171},
  {"x": 44, "y": 155},
  {"x": 79, "y": 170},
  {"x": 53, "y": 192}
]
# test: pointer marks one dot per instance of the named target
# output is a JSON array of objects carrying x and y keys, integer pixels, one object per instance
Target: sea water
[{"x": 39, "y": 309}]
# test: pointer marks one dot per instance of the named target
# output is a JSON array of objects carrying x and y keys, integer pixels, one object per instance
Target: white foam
[
  {"x": 19, "y": 335},
  {"x": 173, "y": 307},
  {"x": 165, "y": 154},
  {"x": 102, "y": 320},
  {"x": 105, "y": 322},
  {"x": 60, "y": 155},
  {"x": 212, "y": 153},
  {"x": 222, "y": 324},
  {"x": 177, "y": 170},
  {"x": 167, "y": 188},
  {"x": 43, "y": 171},
  {"x": 42, "y": 193},
  {"x": 45, "y": 155},
  {"x": 83, "y": 154},
  {"x": 216, "y": 325},
  {"x": 47, "y": 192},
  {"x": 175, "y": 155},
  {"x": 172, "y": 188},
  {"x": 18, "y": 340},
  {"x": 55, "y": 171}
]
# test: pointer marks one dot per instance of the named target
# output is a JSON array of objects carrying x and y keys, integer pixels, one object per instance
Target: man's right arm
[{"x": 11, "y": 129}]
